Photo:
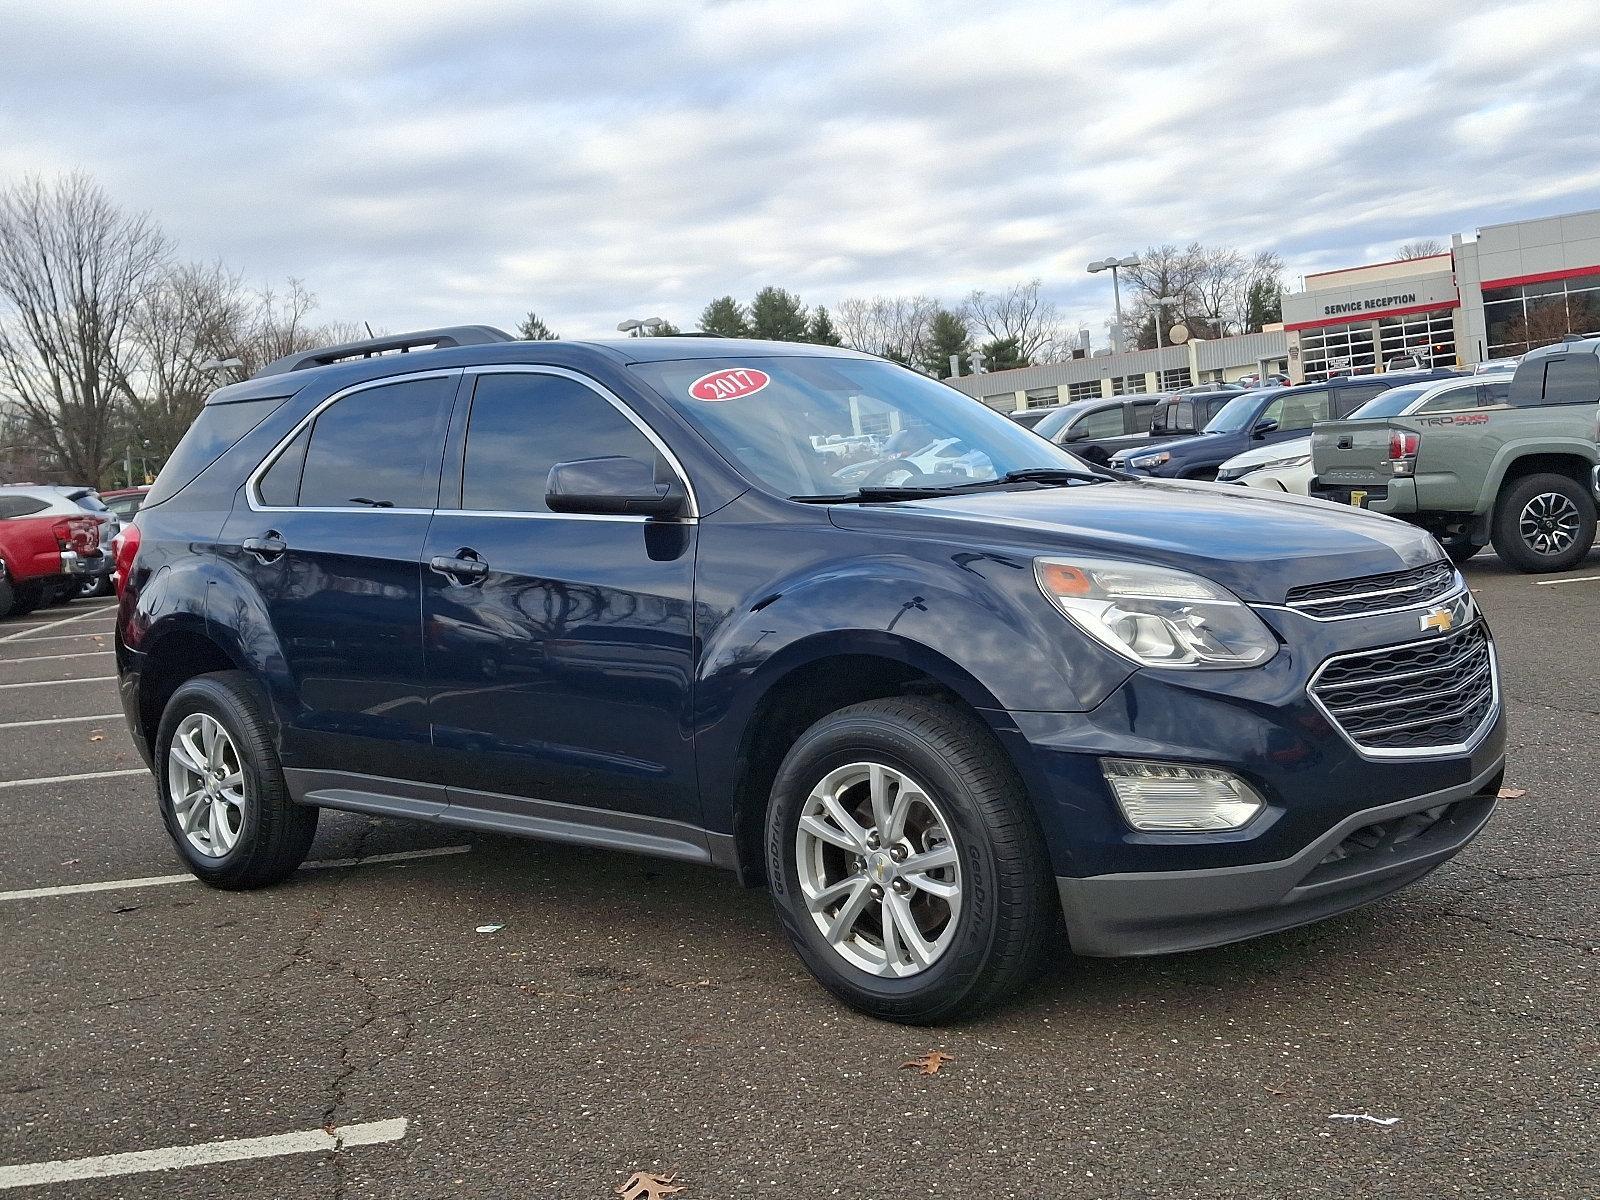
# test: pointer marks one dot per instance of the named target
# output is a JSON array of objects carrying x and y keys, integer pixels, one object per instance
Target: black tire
[
  {"x": 63, "y": 594},
  {"x": 1507, "y": 534},
  {"x": 1003, "y": 930},
  {"x": 8, "y": 597},
  {"x": 1460, "y": 549},
  {"x": 27, "y": 597},
  {"x": 276, "y": 832}
]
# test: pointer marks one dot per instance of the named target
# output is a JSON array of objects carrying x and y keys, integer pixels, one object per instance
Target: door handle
[
  {"x": 464, "y": 568},
  {"x": 268, "y": 548}
]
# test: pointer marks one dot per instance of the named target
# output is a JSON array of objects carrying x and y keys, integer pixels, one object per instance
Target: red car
[{"x": 40, "y": 556}]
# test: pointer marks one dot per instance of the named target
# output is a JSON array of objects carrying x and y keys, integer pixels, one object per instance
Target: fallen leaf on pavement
[
  {"x": 97, "y": 736},
  {"x": 490, "y": 928},
  {"x": 1513, "y": 793},
  {"x": 71, "y": 862},
  {"x": 644, "y": 1185},
  {"x": 930, "y": 1062}
]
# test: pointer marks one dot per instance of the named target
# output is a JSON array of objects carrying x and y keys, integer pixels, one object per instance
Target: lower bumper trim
[{"x": 1161, "y": 912}]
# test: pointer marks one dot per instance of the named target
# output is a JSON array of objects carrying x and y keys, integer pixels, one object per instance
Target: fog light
[{"x": 1169, "y": 797}]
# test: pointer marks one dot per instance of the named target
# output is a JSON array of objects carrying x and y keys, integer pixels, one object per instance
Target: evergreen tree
[
  {"x": 821, "y": 331},
  {"x": 723, "y": 315},
  {"x": 665, "y": 329},
  {"x": 1003, "y": 354},
  {"x": 947, "y": 335},
  {"x": 778, "y": 316},
  {"x": 1263, "y": 305},
  {"x": 533, "y": 329}
]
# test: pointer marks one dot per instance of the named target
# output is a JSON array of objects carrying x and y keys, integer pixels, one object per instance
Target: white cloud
[{"x": 419, "y": 163}]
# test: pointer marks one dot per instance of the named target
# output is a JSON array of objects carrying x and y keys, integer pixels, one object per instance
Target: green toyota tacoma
[{"x": 1520, "y": 474}]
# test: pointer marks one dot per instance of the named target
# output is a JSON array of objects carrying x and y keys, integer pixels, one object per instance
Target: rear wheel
[
  {"x": 1544, "y": 522},
  {"x": 221, "y": 790},
  {"x": 905, "y": 862},
  {"x": 26, "y": 598}
]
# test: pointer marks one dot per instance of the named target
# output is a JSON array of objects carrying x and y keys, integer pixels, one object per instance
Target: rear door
[
  {"x": 561, "y": 658},
  {"x": 330, "y": 533}
]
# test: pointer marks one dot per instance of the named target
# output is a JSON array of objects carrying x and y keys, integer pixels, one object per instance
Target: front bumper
[{"x": 1160, "y": 912}]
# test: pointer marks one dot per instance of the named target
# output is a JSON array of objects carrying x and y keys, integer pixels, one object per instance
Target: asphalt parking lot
[{"x": 498, "y": 1018}]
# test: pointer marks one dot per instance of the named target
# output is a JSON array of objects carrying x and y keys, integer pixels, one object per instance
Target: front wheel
[
  {"x": 906, "y": 864},
  {"x": 222, "y": 792},
  {"x": 1544, "y": 522}
]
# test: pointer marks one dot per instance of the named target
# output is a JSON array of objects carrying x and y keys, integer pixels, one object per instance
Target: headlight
[
  {"x": 1146, "y": 461},
  {"x": 1283, "y": 464},
  {"x": 1156, "y": 616},
  {"x": 1157, "y": 796}
]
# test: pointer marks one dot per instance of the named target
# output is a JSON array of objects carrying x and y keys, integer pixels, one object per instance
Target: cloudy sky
[{"x": 431, "y": 163}]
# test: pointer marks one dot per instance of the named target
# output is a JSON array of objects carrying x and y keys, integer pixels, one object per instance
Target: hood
[
  {"x": 1171, "y": 446},
  {"x": 1271, "y": 452},
  {"x": 1258, "y": 545}
]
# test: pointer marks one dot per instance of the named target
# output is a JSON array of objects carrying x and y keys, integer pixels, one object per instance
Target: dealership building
[{"x": 1495, "y": 295}]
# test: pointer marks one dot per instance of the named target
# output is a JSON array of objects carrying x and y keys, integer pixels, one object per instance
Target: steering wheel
[{"x": 893, "y": 472}]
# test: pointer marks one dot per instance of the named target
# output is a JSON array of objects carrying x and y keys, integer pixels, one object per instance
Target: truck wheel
[
  {"x": 221, "y": 791},
  {"x": 906, "y": 864},
  {"x": 27, "y": 597},
  {"x": 1544, "y": 523}
]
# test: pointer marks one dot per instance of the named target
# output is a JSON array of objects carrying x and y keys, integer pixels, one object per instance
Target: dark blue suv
[
  {"x": 1260, "y": 417},
  {"x": 805, "y": 614}
]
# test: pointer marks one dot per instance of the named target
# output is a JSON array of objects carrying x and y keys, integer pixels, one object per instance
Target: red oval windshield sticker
[{"x": 731, "y": 383}]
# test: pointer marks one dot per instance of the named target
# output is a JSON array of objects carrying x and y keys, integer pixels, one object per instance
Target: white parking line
[
  {"x": 69, "y": 637},
  {"x": 54, "y": 682},
  {"x": 53, "y": 657},
  {"x": 59, "y": 721},
  {"x": 120, "y": 885},
  {"x": 22, "y": 633},
  {"x": 169, "y": 1158},
  {"x": 11, "y": 783},
  {"x": 1559, "y": 582}
]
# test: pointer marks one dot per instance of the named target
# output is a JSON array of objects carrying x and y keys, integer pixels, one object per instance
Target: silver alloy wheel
[
  {"x": 1549, "y": 523},
  {"x": 878, "y": 869},
  {"x": 206, "y": 781}
]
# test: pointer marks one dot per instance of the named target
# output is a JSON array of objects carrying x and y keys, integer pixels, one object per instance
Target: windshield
[
  {"x": 813, "y": 427},
  {"x": 1240, "y": 412},
  {"x": 1391, "y": 403}
]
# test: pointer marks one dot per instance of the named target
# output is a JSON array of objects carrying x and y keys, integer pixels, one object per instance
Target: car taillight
[
  {"x": 1403, "y": 447},
  {"x": 125, "y": 548},
  {"x": 77, "y": 534}
]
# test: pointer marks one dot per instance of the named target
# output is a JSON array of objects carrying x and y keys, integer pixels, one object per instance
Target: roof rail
[{"x": 403, "y": 343}]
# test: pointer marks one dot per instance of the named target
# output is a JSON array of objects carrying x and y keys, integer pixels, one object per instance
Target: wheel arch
[
  {"x": 1571, "y": 460},
  {"x": 816, "y": 676}
]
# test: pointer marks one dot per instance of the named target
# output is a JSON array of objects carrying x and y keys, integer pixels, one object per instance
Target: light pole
[
  {"x": 1111, "y": 264},
  {"x": 634, "y": 327}
]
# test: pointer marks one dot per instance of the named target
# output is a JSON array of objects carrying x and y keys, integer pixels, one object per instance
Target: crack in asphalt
[{"x": 1580, "y": 946}]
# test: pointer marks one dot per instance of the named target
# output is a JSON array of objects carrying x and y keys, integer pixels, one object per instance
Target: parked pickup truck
[
  {"x": 41, "y": 555},
  {"x": 1518, "y": 474}
]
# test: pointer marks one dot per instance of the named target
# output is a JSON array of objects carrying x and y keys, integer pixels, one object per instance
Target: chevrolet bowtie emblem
[{"x": 1440, "y": 620}]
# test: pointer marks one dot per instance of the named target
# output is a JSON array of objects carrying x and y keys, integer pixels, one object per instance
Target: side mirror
[
  {"x": 1265, "y": 426},
  {"x": 612, "y": 486},
  {"x": 1076, "y": 435}
]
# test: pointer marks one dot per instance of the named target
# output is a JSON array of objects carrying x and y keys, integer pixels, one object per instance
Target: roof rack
[{"x": 403, "y": 343}]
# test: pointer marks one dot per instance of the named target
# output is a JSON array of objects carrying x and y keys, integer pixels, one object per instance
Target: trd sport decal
[{"x": 731, "y": 383}]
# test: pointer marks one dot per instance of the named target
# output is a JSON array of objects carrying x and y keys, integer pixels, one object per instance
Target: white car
[{"x": 1286, "y": 466}]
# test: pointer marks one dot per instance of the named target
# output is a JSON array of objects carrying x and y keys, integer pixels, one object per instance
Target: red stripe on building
[
  {"x": 1541, "y": 277},
  {"x": 1357, "y": 318}
]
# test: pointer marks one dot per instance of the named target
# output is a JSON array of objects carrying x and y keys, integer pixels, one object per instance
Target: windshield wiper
[{"x": 1061, "y": 475}]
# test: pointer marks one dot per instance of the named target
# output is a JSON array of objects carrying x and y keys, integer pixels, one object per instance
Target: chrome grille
[
  {"x": 1374, "y": 593},
  {"x": 1421, "y": 697}
]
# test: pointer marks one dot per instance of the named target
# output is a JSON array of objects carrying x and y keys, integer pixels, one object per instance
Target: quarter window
[
  {"x": 21, "y": 506},
  {"x": 523, "y": 424},
  {"x": 377, "y": 448}
]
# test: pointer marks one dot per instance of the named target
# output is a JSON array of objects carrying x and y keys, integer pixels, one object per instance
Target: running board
[{"x": 489, "y": 812}]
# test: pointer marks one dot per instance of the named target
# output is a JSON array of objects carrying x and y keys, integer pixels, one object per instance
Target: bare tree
[
  {"x": 74, "y": 269},
  {"x": 1022, "y": 314},
  {"x": 894, "y": 326},
  {"x": 1421, "y": 248},
  {"x": 191, "y": 317},
  {"x": 1217, "y": 290}
]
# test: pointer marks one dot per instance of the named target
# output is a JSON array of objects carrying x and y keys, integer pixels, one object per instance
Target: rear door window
[
  {"x": 21, "y": 506},
  {"x": 1140, "y": 413},
  {"x": 379, "y": 447},
  {"x": 1298, "y": 410},
  {"x": 1572, "y": 379}
]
